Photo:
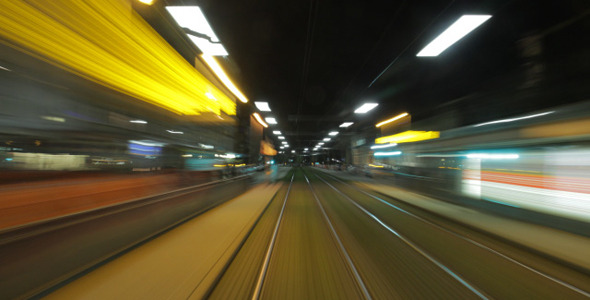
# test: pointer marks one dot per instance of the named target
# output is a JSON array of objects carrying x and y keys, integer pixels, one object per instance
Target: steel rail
[
  {"x": 408, "y": 242},
  {"x": 263, "y": 270},
  {"x": 357, "y": 276},
  {"x": 523, "y": 265}
]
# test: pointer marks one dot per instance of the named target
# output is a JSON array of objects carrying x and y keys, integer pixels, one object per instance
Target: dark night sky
[{"x": 314, "y": 61}]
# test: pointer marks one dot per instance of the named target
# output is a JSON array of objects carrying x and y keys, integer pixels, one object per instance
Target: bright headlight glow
[
  {"x": 192, "y": 17},
  {"x": 464, "y": 25},
  {"x": 365, "y": 108},
  {"x": 262, "y": 106},
  {"x": 216, "y": 68}
]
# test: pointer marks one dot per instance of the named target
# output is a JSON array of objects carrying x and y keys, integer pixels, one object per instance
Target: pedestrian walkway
[{"x": 181, "y": 263}]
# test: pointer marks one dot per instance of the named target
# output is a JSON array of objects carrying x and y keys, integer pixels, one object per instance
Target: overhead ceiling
[{"x": 316, "y": 61}]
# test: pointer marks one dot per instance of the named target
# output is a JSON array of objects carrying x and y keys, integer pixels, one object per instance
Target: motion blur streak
[{"x": 107, "y": 42}]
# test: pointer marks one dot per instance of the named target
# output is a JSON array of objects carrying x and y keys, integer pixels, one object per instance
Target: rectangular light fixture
[
  {"x": 285, "y": 142},
  {"x": 259, "y": 119},
  {"x": 193, "y": 19},
  {"x": 282, "y": 147},
  {"x": 333, "y": 133},
  {"x": 281, "y": 137},
  {"x": 391, "y": 120},
  {"x": 365, "y": 108},
  {"x": 408, "y": 136},
  {"x": 464, "y": 25},
  {"x": 270, "y": 120},
  {"x": 216, "y": 68},
  {"x": 138, "y": 121},
  {"x": 346, "y": 124},
  {"x": 5, "y": 69},
  {"x": 327, "y": 139},
  {"x": 276, "y": 132},
  {"x": 262, "y": 106},
  {"x": 321, "y": 144}
]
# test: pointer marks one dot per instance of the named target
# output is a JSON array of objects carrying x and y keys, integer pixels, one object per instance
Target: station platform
[{"x": 181, "y": 264}]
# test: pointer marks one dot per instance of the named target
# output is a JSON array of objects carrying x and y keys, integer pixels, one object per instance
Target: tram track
[
  {"x": 322, "y": 237},
  {"x": 395, "y": 204}
]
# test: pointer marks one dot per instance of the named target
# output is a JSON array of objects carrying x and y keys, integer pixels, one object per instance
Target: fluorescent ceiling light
[
  {"x": 346, "y": 124},
  {"x": 333, "y": 133},
  {"x": 327, "y": 139},
  {"x": 282, "y": 147},
  {"x": 514, "y": 119},
  {"x": 383, "y": 146},
  {"x": 216, "y": 68},
  {"x": 175, "y": 132},
  {"x": 259, "y": 119},
  {"x": 286, "y": 146},
  {"x": 321, "y": 144},
  {"x": 281, "y": 137},
  {"x": 393, "y": 153},
  {"x": 464, "y": 25},
  {"x": 192, "y": 18},
  {"x": 262, "y": 106},
  {"x": 391, "y": 120},
  {"x": 292, "y": 151},
  {"x": 365, "y": 108},
  {"x": 138, "y": 121},
  {"x": 5, "y": 69},
  {"x": 306, "y": 149},
  {"x": 284, "y": 142},
  {"x": 270, "y": 120},
  {"x": 276, "y": 132},
  {"x": 148, "y": 2}
]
